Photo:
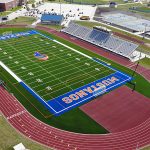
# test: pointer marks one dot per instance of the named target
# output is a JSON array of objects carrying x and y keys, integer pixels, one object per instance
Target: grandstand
[{"x": 104, "y": 39}]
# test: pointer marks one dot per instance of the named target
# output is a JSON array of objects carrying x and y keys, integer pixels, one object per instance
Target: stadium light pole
[
  {"x": 146, "y": 25},
  {"x": 60, "y": 6},
  {"x": 135, "y": 68}
]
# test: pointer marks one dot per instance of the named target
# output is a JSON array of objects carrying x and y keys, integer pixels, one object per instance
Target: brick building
[{"x": 9, "y": 4}]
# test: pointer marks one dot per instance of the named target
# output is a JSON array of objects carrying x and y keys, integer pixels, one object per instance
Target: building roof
[
  {"x": 5, "y": 1},
  {"x": 51, "y": 17}
]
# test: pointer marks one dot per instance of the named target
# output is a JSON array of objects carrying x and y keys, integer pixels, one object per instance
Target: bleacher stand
[{"x": 103, "y": 39}]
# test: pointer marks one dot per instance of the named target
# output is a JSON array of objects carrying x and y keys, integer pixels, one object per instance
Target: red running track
[
  {"x": 119, "y": 110},
  {"x": 26, "y": 124},
  {"x": 34, "y": 129}
]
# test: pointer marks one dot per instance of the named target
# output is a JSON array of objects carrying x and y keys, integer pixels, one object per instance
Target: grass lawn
[
  {"x": 144, "y": 9},
  {"x": 128, "y": 6},
  {"x": 31, "y": 1},
  {"x": 56, "y": 27},
  {"x": 85, "y": 1},
  {"x": 147, "y": 148},
  {"x": 143, "y": 48},
  {"x": 5, "y": 13},
  {"x": 74, "y": 120},
  {"x": 96, "y": 1},
  {"x": 22, "y": 20},
  {"x": 145, "y": 62},
  {"x": 9, "y": 137}
]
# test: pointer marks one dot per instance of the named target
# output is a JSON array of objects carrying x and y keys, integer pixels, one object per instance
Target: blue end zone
[
  {"x": 38, "y": 97},
  {"x": 18, "y": 34},
  {"x": 84, "y": 94}
]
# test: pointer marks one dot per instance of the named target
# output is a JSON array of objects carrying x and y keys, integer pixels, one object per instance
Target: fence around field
[
  {"x": 140, "y": 9},
  {"x": 83, "y": 2}
]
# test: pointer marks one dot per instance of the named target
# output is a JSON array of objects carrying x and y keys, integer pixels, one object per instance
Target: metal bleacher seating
[{"x": 102, "y": 39}]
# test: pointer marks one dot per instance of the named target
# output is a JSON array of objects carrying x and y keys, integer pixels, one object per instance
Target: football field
[{"x": 65, "y": 70}]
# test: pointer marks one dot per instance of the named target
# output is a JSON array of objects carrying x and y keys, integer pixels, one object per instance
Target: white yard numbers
[
  {"x": 23, "y": 67},
  {"x": 48, "y": 88},
  {"x": 87, "y": 64},
  {"x": 97, "y": 69},
  {"x": 69, "y": 54},
  {"x": 16, "y": 62},
  {"x": 5, "y": 53},
  {"x": 78, "y": 59},
  {"x": 30, "y": 73},
  {"x": 39, "y": 80},
  {"x": 10, "y": 57}
]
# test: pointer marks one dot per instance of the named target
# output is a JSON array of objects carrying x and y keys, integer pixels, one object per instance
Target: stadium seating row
[{"x": 102, "y": 39}]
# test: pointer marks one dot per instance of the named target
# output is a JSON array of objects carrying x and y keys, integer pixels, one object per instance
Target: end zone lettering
[{"x": 89, "y": 90}]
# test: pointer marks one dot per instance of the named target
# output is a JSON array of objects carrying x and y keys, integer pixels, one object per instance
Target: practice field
[{"x": 66, "y": 79}]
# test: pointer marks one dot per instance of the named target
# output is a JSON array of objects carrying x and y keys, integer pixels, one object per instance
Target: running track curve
[
  {"x": 55, "y": 138},
  {"x": 29, "y": 126}
]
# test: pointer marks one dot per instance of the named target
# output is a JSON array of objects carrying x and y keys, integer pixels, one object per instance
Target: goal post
[{"x": 99, "y": 91}]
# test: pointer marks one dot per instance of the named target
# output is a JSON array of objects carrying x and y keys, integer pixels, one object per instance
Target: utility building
[{"x": 52, "y": 19}]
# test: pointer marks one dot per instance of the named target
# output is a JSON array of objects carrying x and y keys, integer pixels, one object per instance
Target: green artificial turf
[{"x": 64, "y": 71}]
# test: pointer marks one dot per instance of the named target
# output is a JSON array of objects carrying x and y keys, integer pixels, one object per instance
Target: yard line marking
[
  {"x": 33, "y": 72},
  {"x": 34, "y": 77},
  {"x": 20, "y": 63},
  {"x": 35, "y": 81},
  {"x": 48, "y": 51},
  {"x": 64, "y": 53},
  {"x": 44, "y": 66},
  {"x": 72, "y": 73},
  {"x": 26, "y": 66},
  {"x": 73, "y": 83},
  {"x": 43, "y": 45},
  {"x": 31, "y": 61},
  {"x": 73, "y": 65},
  {"x": 53, "y": 74},
  {"x": 66, "y": 76}
]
